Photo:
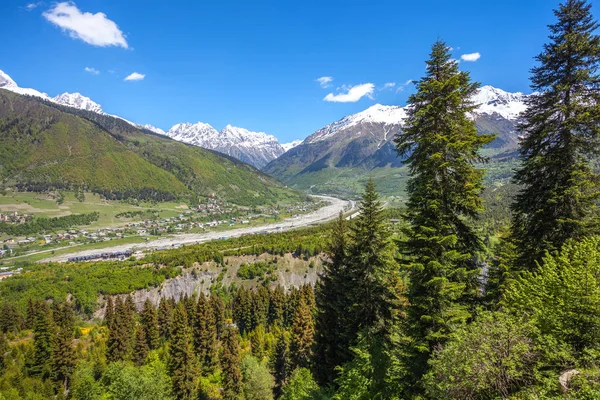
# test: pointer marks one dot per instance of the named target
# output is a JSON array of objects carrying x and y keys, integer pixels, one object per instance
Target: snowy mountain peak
[
  {"x": 77, "y": 100},
  {"x": 153, "y": 129},
  {"x": 493, "y": 100},
  {"x": 6, "y": 81},
  {"x": 291, "y": 145}
]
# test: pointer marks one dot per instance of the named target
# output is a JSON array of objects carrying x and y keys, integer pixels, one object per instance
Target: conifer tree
[
  {"x": 302, "y": 336},
  {"x": 276, "y": 306},
  {"x": 230, "y": 363},
  {"x": 561, "y": 132},
  {"x": 149, "y": 321},
  {"x": 43, "y": 337},
  {"x": 3, "y": 352},
  {"x": 109, "y": 311},
  {"x": 205, "y": 335},
  {"x": 332, "y": 339},
  {"x": 444, "y": 190},
  {"x": 165, "y": 315},
  {"x": 371, "y": 267},
  {"x": 140, "y": 346},
  {"x": 32, "y": 307},
  {"x": 181, "y": 356},
  {"x": 218, "y": 307},
  {"x": 63, "y": 352},
  {"x": 119, "y": 335},
  {"x": 282, "y": 364}
]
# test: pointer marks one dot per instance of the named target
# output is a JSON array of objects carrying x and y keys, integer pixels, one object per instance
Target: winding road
[{"x": 321, "y": 215}]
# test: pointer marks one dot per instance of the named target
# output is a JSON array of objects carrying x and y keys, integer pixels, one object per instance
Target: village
[{"x": 209, "y": 216}]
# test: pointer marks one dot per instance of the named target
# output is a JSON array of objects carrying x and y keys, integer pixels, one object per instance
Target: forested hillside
[{"x": 48, "y": 146}]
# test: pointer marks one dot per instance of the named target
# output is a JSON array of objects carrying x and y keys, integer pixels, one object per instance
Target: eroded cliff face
[{"x": 290, "y": 272}]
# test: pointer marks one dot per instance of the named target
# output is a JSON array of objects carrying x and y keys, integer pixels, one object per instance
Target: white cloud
[
  {"x": 389, "y": 85},
  {"x": 92, "y": 71},
  {"x": 353, "y": 94},
  {"x": 472, "y": 57},
  {"x": 404, "y": 85},
  {"x": 325, "y": 81},
  {"x": 31, "y": 6},
  {"x": 135, "y": 76},
  {"x": 94, "y": 29}
]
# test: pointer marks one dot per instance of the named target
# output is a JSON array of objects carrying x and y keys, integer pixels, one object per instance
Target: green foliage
[
  {"x": 493, "y": 356},
  {"x": 230, "y": 364},
  {"x": 302, "y": 386},
  {"x": 149, "y": 382},
  {"x": 562, "y": 297},
  {"x": 255, "y": 270},
  {"x": 560, "y": 128},
  {"x": 84, "y": 281},
  {"x": 258, "y": 382},
  {"x": 40, "y": 225}
]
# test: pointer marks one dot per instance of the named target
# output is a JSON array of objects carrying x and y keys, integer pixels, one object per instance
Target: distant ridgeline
[
  {"x": 38, "y": 225},
  {"x": 45, "y": 146}
]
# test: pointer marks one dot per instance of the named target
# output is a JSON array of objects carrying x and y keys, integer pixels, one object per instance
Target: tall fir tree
[
  {"x": 43, "y": 338},
  {"x": 140, "y": 346},
  {"x": 560, "y": 134},
  {"x": 282, "y": 368},
  {"x": 149, "y": 322},
  {"x": 205, "y": 335},
  {"x": 332, "y": 336},
  {"x": 302, "y": 336},
  {"x": 119, "y": 334},
  {"x": 181, "y": 362},
  {"x": 109, "y": 311},
  {"x": 230, "y": 363},
  {"x": 218, "y": 307},
  {"x": 4, "y": 349},
  {"x": 165, "y": 315},
  {"x": 276, "y": 306},
  {"x": 441, "y": 145},
  {"x": 64, "y": 357},
  {"x": 371, "y": 267}
]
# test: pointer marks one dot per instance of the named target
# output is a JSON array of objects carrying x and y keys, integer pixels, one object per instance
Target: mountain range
[
  {"x": 339, "y": 157},
  {"x": 336, "y": 158},
  {"x": 254, "y": 148}
]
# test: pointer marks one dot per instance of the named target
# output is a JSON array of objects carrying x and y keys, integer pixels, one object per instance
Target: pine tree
[
  {"x": 276, "y": 306},
  {"x": 109, "y": 311},
  {"x": 205, "y": 335},
  {"x": 561, "y": 132},
  {"x": 332, "y": 337},
  {"x": 181, "y": 356},
  {"x": 230, "y": 363},
  {"x": 218, "y": 307},
  {"x": 149, "y": 322},
  {"x": 302, "y": 336},
  {"x": 43, "y": 337},
  {"x": 282, "y": 364},
  {"x": 140, "y": 346},
  {"x": 119, "y": 334},
  {"x": 32, "y": 307},
  {"x": 371, "y": 267},
  {"x": 165, "y": 315},
  {"x": 3, "y": 352},
  {"x": 444, "y": 190},
  {"x": 63, "y": 352}
]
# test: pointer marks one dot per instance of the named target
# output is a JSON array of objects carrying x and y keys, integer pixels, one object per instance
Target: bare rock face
[{"x": 565, "y": 378}]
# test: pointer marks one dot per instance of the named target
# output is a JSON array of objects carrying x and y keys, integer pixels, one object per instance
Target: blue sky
[{"x": 255, "y": 64}]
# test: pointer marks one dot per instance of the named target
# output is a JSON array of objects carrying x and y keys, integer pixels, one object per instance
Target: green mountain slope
[{"x": 43, "y": 146}]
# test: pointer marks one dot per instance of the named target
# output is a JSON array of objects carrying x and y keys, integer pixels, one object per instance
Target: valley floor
[{"x": 330, "y": 211}]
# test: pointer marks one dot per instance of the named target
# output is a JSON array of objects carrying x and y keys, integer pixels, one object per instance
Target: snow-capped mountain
[
  {"x": 153, "y": 129},
  {"x": 493, "y": 100},
  {"x": 255, "y": 148},
  {"x": 291, "y": 145},
  {"x": 7, "y": 83},
  {"x": 364, "y": 139},
  {"x": 77, "y": 100}
]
